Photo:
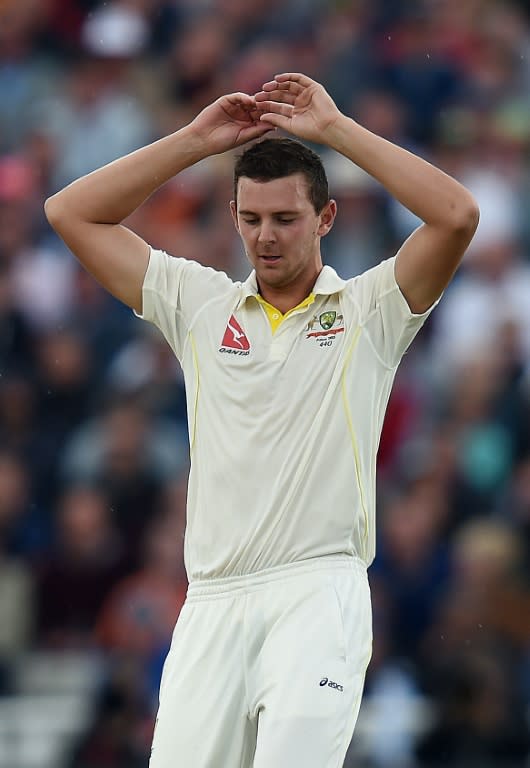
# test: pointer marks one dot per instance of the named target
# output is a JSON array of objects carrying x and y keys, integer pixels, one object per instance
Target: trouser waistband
[{"x": 209, "y": 588}]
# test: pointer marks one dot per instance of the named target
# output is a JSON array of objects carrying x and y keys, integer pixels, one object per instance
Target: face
[{"x": 281, "y": 230}]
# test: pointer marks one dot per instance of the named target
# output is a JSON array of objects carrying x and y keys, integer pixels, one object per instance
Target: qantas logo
[{"x": 234, "y": 340}]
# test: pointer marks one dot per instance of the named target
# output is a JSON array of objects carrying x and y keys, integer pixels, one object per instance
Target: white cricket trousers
[{"x": 267, "y": 670}]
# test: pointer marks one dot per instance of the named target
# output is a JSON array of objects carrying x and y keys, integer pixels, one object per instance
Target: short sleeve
[
  {"x": 384, "y": 313},
  {"x": 174, "y": 292}
]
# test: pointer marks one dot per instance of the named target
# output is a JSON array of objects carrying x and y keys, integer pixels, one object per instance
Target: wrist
[
  {"x": 339, "y": 134},
  {"x": 196, "y": 144}
]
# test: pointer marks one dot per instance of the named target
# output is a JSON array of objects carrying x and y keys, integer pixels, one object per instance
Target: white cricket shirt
[{"x": 284, "y": 427}]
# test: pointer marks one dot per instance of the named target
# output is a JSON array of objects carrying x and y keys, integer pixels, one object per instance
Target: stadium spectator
[{"x": 75, "y": 577}]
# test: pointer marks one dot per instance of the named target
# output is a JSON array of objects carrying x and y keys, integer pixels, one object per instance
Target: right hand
[
  {"x": 299, "y": 105},
  {"x": 228, "y": 122}
]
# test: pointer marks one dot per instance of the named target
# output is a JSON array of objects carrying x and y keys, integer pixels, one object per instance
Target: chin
[{"x": 275, "y": 281}]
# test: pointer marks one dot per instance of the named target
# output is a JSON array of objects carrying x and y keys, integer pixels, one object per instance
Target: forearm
[
  {"x": 111, "y": 193},
  {"x": 436, "y": 198}
]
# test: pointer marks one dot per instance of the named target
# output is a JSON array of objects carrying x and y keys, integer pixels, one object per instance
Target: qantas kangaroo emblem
[{"x": 234, "y": 338}]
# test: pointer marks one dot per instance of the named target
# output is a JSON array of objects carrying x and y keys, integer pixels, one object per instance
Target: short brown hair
[{"x": 276, "y": 158}]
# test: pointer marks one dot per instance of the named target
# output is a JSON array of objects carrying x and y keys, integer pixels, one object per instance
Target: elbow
[
  {"x": 466, "y": 217},
  {"x": 54, "y": 210},
  {"x": 59, "y": 213}
]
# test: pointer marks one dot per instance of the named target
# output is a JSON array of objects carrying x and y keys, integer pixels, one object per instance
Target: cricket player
[{"x": 288, "y": 375}]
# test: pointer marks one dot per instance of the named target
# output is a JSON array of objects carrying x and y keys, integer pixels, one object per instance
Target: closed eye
[{"x": 281, "y": 217}]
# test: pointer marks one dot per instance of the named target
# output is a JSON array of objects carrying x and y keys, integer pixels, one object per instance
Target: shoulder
[
  {"x": 367, "y": 288},
  {"x": 170, "y": 274}
]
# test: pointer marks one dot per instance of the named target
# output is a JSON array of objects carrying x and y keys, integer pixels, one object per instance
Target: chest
[{"x": 238, "y": 352}]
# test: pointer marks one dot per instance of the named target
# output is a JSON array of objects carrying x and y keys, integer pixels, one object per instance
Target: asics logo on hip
[{"x": 326, "y": 682}]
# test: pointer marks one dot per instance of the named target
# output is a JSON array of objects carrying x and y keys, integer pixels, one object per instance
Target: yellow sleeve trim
[
  {"x": 197, "y": 388},
  {"x": 353, "y": 437}
]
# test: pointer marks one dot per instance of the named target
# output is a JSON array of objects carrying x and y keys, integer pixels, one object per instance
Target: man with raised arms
[{"x": 287, "y": 375}]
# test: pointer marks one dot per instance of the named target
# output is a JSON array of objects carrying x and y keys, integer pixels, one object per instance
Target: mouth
[{"x": 269, "y": 259}]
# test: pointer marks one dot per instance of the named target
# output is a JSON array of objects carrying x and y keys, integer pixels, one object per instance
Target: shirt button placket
[{"x": 280, "y": 344}]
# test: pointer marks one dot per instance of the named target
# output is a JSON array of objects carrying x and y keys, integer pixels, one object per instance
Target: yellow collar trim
[{"x": 275, "y": 316}]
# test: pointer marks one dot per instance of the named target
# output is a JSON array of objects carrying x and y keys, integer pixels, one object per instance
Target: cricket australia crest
[{"x": 327, "y": 319}]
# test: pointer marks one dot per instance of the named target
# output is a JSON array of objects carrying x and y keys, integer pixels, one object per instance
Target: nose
[{"x": 266, "y": 233}]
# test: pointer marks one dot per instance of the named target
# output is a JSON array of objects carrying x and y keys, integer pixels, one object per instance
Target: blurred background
[{"x": 93, "y": 440}]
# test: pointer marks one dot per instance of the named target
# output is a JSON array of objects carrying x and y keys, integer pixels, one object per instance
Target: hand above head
[
  {"x": 228, "y": 122},
  {"x": 297, "y": 104}
]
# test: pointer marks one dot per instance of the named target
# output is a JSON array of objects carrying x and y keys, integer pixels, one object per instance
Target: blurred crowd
[{"x": 93, "y": 439}]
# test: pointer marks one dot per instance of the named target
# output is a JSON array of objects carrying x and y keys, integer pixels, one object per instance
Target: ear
[
  {"x": 327, "y": 218},
  {"x": 233, "y": 211}
]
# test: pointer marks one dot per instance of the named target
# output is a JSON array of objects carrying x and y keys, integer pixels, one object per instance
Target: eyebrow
[{"x": 274, "y": 213}]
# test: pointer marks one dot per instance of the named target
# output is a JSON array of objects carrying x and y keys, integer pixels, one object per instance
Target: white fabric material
[
  {"x": 264, "y": 693},
  {"x": 284, "y": 428}
]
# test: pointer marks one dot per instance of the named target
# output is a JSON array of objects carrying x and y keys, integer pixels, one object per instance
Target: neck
[{"x": 286, "y": 298}]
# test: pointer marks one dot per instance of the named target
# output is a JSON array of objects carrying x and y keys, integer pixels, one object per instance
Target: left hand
[
  {"x": 299, "y": 105},
  {"x": 230, "y": 121}
]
